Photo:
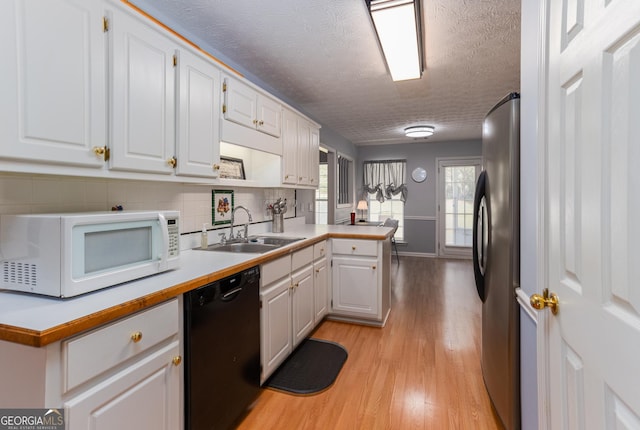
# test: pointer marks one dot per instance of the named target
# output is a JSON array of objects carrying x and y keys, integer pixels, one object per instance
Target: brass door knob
[
  {"x": 136, "y": 336},
  {"x": 177, "y": 360},
  {"x": 545, "y": 300}
]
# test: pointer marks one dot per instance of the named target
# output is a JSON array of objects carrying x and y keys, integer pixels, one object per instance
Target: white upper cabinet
[
  {"x": 143, "y": 96},
  {"x": 300, "y": 155},
  {"x": 244, "y": 105},
  {"x": 53, "y": 81},
  {"x": 198, "y": 145},
  {"x": 289, "y": 147}
]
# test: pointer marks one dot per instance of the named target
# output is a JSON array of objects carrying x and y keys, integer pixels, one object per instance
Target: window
[
  {"x": 345, "y": 181},
  {"x": 322, "y": 193},
  {"x": 386, "y": 191},
  {"x": 390, "y": 208},
  {"x": 457, "y": 183}
]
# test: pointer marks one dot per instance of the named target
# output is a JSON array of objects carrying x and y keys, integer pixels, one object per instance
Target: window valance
[{"x": 385, "y": 178}]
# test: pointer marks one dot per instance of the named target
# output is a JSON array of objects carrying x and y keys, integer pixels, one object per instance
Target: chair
[{"x": 390, "y": 222}]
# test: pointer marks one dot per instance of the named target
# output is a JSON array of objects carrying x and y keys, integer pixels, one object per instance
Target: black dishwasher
[{"x": 222, "y": 351}]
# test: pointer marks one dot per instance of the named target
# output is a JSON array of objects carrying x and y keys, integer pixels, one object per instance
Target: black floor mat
[{"x": 310, "y": 369}]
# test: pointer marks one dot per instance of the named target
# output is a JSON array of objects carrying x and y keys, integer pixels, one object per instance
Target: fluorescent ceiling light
[
  {"x": 398, "y": 27},
  {"x": 419, "y": 131}
]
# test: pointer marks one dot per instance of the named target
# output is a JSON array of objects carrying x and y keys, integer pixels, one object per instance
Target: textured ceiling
[{"x": 323, "y": 56}]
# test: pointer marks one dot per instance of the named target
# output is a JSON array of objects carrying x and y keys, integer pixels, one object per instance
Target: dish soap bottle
[{"x": 204, "y": 240}]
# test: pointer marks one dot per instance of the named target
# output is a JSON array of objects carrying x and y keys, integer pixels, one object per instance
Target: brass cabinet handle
[
  {"x": 255, "y": 121},
  {"x": 317, "y": 270},
  {"x": 286, "y": 177},
  {"x": 260, "y": 122},
  {"x": 216, "y": 167},
  {"x": 101, "y": 152},
  {"x": 136, "y": 336},
  {"x": 172, "y": 162},
  {"x": 545, "y": 300},
  {"x": 177, "y": 360}
]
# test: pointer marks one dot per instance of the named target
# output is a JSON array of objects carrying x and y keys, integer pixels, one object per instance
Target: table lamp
[{"x": 362, "y": 206}]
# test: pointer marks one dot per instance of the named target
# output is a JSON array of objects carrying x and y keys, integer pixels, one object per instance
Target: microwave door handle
[{"x": 164, "y": 228}]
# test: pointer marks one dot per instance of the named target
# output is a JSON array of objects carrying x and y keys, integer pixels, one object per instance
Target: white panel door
[
  {"x": 321, "y": 289},
  {"x": 275, "y": 320},
  {"x": 314, "y": 157},
  {"x": 144, "y": 396},
  {"x": 304, "y": 148},
  {"x": 355, "y": 287},
  {"x": 198, "y": 146},
  {"x": 303, "y": 310},
  {"x": 143, "y": 94},
  {"x": 240, "y": 103},
  {"x": 592, "y": 203},
  {"x": 289, "y": 147},
  {"x": 53, "y": 81},
  {"x": 269, "y": 115}
]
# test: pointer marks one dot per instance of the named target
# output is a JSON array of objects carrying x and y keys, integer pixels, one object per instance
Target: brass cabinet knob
[
  {"x": 177, "y": 360},
  {"x": 260, "y": 122},
  {"x": 317, "y": 270},
  {"x": 136, "y": 336},
  {"x": 545, "y": 300},
  {"x": 255, "y": 121},
  {"x": 373, "y": 267},
  {"x": 353, "y": 248},
  {"x": 216, "y": 167},
  {"x": 101, "y": 152},
  {"x": 172, "y": 162}
]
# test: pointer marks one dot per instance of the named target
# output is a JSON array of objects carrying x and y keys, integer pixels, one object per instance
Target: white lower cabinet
[
  {"x": 126, "y": 375},
  {"x": 302, "y": 303},
  {"x": 360, "y": 283},
  {"x": 275, "y": 318},
  {"x": 288, "y": 306},
  {"x": 143, "y": 396}
]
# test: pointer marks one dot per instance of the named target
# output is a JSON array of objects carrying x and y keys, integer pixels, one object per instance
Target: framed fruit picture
[{"x": 221, "y": 206}]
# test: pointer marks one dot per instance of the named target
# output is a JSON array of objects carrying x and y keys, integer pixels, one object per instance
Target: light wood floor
[{"x": 421, "y": 371}]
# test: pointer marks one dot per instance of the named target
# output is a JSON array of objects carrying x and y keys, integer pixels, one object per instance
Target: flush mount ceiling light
[
  {"x": 419, "y": 131},
  {"x": 399, "y": 29}
]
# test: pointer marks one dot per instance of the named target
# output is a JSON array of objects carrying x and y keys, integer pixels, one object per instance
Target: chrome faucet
[{"x": 246, "y": 225}]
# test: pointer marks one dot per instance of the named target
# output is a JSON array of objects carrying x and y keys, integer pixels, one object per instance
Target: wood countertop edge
[{"x": 40, "y": 338}]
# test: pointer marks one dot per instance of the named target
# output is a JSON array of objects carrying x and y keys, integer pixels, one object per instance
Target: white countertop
[{"x": 30, "y": 312}]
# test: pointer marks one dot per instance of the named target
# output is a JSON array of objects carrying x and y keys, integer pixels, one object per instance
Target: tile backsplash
[{"x": 21, "y": 193}]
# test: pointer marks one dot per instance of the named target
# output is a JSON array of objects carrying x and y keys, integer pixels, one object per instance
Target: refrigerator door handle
[{"x": 480, "y": 227}]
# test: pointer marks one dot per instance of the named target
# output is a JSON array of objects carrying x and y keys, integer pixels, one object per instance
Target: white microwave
[{"x": 64, "y": 255}]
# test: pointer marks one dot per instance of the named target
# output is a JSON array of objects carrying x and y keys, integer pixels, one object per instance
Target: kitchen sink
[
  {"x": 274, "y": 240},
  {"x": 255, "y": 245}
]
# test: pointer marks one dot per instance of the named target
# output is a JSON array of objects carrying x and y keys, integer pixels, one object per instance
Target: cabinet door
[
  {"x": 53, "y": 81},
  {"x": 356, "y": 287},
  {"x": 198, "y": 146},
  {"x": 321, "y": 289},
  {"x": 289, "y": 147},
  {"x": 275, "y": 318},
  {"x": 239, "y": 103},
  {"x": 314, "y": 157},
  {"x": 269, "y": 115},
  {"x": 304, "y": 148},
  {"x": 143, "y": 87},
  {"x": 302, "y": 304},
  {"x": 146, "y": 395}
]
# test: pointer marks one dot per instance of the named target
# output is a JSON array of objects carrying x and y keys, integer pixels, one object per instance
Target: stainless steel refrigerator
[{"x": 496, "y": 256}]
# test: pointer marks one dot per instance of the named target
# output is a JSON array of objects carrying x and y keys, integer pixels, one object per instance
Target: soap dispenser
[{"x": 204, "y": 240}]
